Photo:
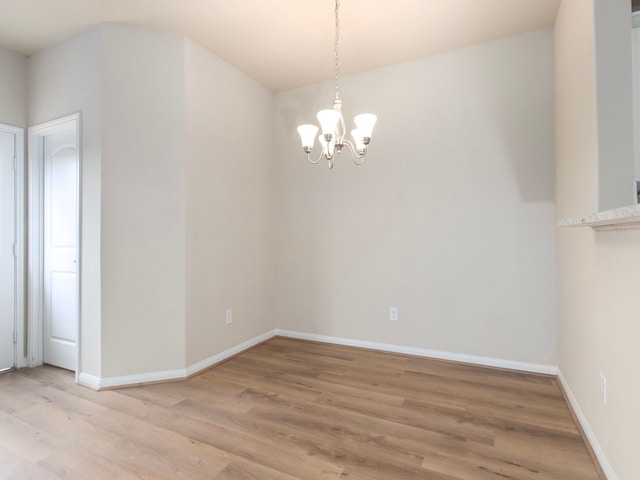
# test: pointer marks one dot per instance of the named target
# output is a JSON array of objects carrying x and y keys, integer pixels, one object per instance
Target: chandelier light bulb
[
  {"x": 307, "y": 135},
  {"x": 365, "y": 123},
  {"x": 358, "y": 140},
  {"x": 328, "y": 121}
]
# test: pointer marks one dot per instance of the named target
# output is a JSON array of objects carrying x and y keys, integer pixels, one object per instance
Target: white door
[
  {"x": 60, "y": 249},
  {"x": 7, "y": 252}
]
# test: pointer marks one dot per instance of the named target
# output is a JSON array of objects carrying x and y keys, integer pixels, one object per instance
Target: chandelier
[{"x": 332, "y": 140}]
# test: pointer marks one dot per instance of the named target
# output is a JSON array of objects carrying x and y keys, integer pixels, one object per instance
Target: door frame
[
  {"x": 35, "y": 319},
  {"x": 19, "y": 342}
]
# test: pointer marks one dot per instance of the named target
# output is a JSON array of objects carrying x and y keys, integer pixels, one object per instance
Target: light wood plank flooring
[{"x": 290, "y": 410}]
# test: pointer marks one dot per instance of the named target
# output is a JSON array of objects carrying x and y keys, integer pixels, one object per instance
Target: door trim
[
  {"x": 20, "y": 344},
  {"x": 35, "y": 319}
]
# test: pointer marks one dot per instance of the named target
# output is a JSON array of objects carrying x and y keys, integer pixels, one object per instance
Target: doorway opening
[
  {"x": 12, "y": 265},
  {"x": 54, "y": 243}
]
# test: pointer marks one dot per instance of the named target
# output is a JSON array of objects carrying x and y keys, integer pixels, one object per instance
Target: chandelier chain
[{"x": 337, "y": 57}]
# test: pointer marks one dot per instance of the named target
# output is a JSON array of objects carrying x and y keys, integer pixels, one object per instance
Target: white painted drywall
[
  {"x": 598, "y": 272},
  {"x": 230, "y": 259},
  {"x": 143, "y": 202},
  {"x": 451, "y": 218},
  {"x": 62, "y": 80},
  {"x": 13, "y": 88},
  {"x": 138, "y": 112}
]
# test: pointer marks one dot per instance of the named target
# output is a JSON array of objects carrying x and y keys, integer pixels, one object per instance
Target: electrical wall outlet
[
  {"x": 603, "y": 387},
  {"x": 393, "y": 314},
  {"x": 228, "y": 317}
]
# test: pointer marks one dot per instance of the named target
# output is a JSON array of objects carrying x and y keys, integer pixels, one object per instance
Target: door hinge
[
  {"x": 15, "y": 337},
  {"x": 15, "y": 164},
  {"x": 15, "y": 249}
]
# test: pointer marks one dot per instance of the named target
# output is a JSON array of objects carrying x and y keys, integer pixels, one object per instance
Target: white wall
[
  {"x": 62, "y": 80},
  {"x": 230, "y": 218},
  {"x": 174, "y": 199},
  {"x": 451, "y": 218},
  {"x": 143, "y": 202},
  {"x": 13, "y": 88},
  {"x": 598, "y": 272}
]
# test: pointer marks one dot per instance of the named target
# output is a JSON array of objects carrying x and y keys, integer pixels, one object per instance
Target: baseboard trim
[
  {"x": 601, "y": 458},
  {"x": 227, "y": 354},
  {"x": 98, "y": 383},
  {"x": 90, "y": 381},
  {"x": 423, "y": 352},
  {"x": 142, "y": 379}
]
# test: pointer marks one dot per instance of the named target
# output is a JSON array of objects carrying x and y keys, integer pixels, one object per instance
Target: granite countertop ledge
[{"x": 623, "y": 218}]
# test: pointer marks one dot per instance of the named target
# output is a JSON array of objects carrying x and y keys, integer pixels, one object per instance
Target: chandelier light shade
[{"x": 332, "y": 138}]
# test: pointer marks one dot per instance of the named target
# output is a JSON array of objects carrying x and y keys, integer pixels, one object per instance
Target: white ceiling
[{"x": 286, "y": 43}]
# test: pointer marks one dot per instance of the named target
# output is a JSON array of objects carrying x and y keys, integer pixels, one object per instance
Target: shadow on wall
[{"x": 519, "y": 114}]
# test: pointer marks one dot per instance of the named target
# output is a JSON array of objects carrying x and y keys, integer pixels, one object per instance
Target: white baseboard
[
  {"x": 137, "y": 379},
  {"x": 90, "y": 381},
  {"x": 180, "y": 374},
  {"x": 423, "y": 352},
  {"x": 208, "y": 362},
  {"x": 98, "y": 383},
  {"x": 597, "y": 449}
]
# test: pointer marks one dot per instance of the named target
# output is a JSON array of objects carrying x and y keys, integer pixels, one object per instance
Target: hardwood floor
[{"x": 290, "y": 410}]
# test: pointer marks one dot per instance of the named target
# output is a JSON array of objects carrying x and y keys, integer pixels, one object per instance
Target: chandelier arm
[
  {"x": 319, "y": 157},
  {"x": 356, "y": 156}
]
